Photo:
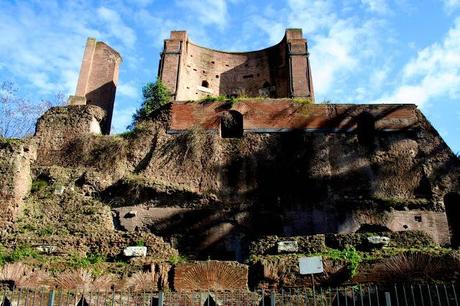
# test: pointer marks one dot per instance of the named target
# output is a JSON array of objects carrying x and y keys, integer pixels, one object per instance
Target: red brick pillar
[
  {"x": 170, "y": 63},
  {"x": 98, "y": 79},
  {"x": 300, "y": 80}
]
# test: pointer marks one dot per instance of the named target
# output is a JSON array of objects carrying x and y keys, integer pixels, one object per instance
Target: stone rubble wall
[
  {"x": 60, "y": 126},
  {"x": 16, "y": 157}
]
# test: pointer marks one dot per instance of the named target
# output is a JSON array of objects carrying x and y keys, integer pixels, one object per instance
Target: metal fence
[{"x": 382, "y": 295}]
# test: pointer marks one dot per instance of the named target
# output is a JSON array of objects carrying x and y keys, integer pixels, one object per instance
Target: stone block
[
  {"x": 47, "y": 249},
  {"x": 59, "y": 190},
  {"x": 76, "y": 100},
  {"x": 378, "y": 240},
  {"x": 290, "y": 246},
  {"x": 135, "y": 251}
]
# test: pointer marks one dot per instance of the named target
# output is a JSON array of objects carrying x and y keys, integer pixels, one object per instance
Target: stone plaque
[
  {"x": 378, "y": 240},
  {"x": 47, "y": 249},
  {"x": 311, "y": 265},
  {"x": 135, "y": 251},
  {"x": 288, "y": 246}
]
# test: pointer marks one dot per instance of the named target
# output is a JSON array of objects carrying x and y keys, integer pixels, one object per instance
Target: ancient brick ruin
[
  {"x": 98, "y": 79},
  {"x": 224, "y": 182},
  {"x": 192, "y": 72}
]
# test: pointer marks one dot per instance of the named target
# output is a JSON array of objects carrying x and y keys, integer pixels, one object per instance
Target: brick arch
[{"x": 210, "y": 275}]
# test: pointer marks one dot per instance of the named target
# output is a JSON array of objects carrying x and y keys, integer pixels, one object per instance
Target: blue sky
[{"x": 362, "y": 51}]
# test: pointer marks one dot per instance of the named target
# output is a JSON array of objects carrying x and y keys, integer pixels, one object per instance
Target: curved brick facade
[{"x": 192, "y": 72}]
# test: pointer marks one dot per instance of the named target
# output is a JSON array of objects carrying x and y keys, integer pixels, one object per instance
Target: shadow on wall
[
  {"x": 263, "y": 75},
  {"x": 281, "y": 184},
  {"x": 104, "y": 97},
  {"x": 231, "y": 124},
  {"x": 452, "y": 205}
]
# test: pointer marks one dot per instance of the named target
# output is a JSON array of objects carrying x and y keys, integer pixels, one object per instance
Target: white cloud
[
  {"x": 451, "y": 5},
  {"x": 129, "y": 90},
  {"x": 43, "y": 51},
  {"x": 332, "y": 54},
  {"x": 208, "y": 12},
  {"x": 312, "y": 16},
  {"x": 117, "y": 28},
  {"x": 377, "y": 6},
  {"x": 340, "y": 47},
  {"x": 434, "y": 72},
  {"x": 122, "y": 118}
]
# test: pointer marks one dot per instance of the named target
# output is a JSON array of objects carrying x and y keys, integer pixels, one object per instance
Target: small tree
[
  {"x": 155, "y": 95},
  {"x": 18, "y": 115}
]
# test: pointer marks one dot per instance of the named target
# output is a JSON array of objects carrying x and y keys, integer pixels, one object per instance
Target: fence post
[
  {"x": 51, "y": 298},
  {"x": 387, "y": 299},
  {"x": 160, "y": 298},
  {"x": 272, "y": 298}
]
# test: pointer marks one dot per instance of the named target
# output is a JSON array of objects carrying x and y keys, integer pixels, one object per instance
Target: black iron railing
[{"x": 360, "y": 295}]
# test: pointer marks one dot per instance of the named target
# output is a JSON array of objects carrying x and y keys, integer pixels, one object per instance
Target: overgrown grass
[
  {"x": 18, "y": 254},
  {"x": 39, "y": 185},
  {"x": 399, "y": 203},
  {"x": 177, "y": 259},
  {"x": 140, "y": 242},
  {"x": 350, "y": 255},
  {"x": 302, "y": 101},
  {"x": 4, "y": 140},
  {"x": 77, "y": 261},
  {"x": 219, "y": 98}
]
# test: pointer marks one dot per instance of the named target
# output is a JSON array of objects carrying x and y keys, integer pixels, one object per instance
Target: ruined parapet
[
  {"x": 285, "y": 115},
  {"x": 60, "y": 126},
  {"x": 192, "y": 72},
  {"x": 98, "y": 79},
  {"x": 15, "y": 179}
]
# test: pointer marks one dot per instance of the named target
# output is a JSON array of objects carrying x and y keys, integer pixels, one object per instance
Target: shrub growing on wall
[{"x": 155, "y": 95}]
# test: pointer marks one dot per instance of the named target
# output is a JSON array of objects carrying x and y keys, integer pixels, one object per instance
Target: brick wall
[
  {"x": 278, "y": 71},
  {"x": 98, "y": 79},
  {"x": 274, "y": 115}
]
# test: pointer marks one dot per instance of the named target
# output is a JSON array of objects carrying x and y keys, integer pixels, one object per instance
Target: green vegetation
[
  {"x": 155, "y": 95},
  {"x": 39, "y": 184},
  {"x": 177, "y": 259},
  {"x": 227, "y": 99},
  {"x": 23, "y": 252},
  {"x": 140, "y": 242},
  {"x": 350, "y": 255},
  {"x": 45, "y": 231},
  {"x": 19, "y": 253},
  {"x": 399, "y": 203},
  {"x": 4, "y": 140},
  {"x": 302, "y": 101},
  {"x": 77, "y": 261},
  {"x": 209, "y": 99}
]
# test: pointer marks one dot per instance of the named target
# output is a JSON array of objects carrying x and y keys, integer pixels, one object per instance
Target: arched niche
[
  {"x": 365, "y": 127},
  {"x": 372, "y": 228},
  {"x": 231, "y": 124},
  {"x": 452, "y": 206}
]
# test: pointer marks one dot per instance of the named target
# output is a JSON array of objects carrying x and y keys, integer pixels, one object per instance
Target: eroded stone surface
[
  {"x": 287, "y": 246},
  {"x": 135, "y": 251},
  {"x": 16, "y": 157}
]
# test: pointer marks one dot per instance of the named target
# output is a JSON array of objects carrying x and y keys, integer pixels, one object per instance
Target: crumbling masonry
[{"x": 228, "y": 180}]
